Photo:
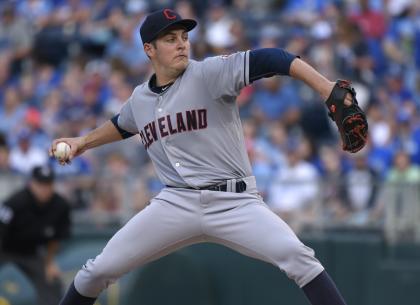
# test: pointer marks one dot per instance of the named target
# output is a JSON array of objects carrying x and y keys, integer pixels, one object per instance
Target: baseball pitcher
[{"x": 188, "y": 121}]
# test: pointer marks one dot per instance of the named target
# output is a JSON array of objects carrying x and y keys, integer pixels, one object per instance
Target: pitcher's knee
[
  {"x": 94, "y": 277},
  {"x": 299, "y": 263}
]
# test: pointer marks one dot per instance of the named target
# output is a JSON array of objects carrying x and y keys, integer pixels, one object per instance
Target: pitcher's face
[{"x": 171, "y": 49}]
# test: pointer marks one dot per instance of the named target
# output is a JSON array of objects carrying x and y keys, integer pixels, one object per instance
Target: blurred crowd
[{"x": 68, "y": 66}]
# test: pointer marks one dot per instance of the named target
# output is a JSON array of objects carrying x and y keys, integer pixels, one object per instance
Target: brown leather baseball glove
[{"x": 350, "y": 120}]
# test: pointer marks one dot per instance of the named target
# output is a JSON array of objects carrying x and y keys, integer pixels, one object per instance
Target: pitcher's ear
[{"x": 148, "y": 49}]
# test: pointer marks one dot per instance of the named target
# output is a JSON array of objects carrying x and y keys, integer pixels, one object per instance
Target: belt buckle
[{"x": 240, "y": 186}]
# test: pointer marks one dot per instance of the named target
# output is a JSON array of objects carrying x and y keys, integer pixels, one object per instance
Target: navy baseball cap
[
  {"x": 43, "y": 174},
  {"x": 158, "y": 21}
]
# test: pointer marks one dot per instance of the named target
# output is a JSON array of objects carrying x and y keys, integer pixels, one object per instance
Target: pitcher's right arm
[{"x": 106, "y": 133}]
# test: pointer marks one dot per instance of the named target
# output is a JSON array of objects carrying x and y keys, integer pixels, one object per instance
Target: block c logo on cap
[{"x": 169, "y": 14}]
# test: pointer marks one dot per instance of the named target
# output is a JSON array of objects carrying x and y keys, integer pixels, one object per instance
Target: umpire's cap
[
  {"x": 158, "y": 21},
  {"x": 43, "y": 174}
]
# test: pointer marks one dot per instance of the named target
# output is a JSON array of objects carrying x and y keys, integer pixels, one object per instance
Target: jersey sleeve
[
  {"x": 226, "y": 75},
  {"x": 268, "y": 62},
  {"x": 125, "y": 118}
]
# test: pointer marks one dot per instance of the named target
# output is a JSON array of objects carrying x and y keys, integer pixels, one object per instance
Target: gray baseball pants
[{"x": 179, "y": 217}]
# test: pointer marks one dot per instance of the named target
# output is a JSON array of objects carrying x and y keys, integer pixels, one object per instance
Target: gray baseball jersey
[
  {"x": 192, "y": 131},
  {"x": 193, "y": 135}
]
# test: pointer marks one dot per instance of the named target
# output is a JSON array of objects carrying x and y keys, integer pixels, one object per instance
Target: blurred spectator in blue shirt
[
  {"x": 294, "y": 189},
  {"x": 218, "y": 28},
  {"x": 16, "y": 36},
  {"x": 46, "y": 79},
  {"x": 398, "y": 92},
  {"x": 4, "y": 74},
  {"x": 120, "y": 91},
  {"x": 25, "y": 156},
  {"x": 361, "y": 186},
  {"x": 97, "y": 73},
  {"x": 276, "y": 98},
  {"x": 399, "y": 43},
  {"x": 372, "y": 23},
  {"x": 406, "y": 137},
  {"x": 127, "y": 49},
  {"x": 32, "y": 122},
  {"x": 333, "y": 198},
  {"x": 12, "y": 112},
  {"x": 27, "y": 90},
  {"x": 50, "y": 114},
  {"x": 380, "y": 150},
  {"x": 353, "y": 57},
  {"x": 37, "y": 12}
]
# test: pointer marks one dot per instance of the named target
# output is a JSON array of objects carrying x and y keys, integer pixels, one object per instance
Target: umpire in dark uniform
[{"x": 32, "y": 222}]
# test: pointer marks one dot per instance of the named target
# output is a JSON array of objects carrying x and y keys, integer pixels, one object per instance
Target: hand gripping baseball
[
  {"x": 350, "y": 120},
  {"x": 77, "y": 147}
]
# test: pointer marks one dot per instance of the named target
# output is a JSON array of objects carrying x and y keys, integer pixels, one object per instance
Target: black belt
[{"x": 240, "y": 186}]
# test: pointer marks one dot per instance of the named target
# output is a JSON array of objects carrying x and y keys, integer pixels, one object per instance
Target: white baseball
[{"x": 62, "y": 151}]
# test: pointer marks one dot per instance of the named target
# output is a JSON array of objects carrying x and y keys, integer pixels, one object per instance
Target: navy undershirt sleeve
[
  {"x": 268, "y": 62},
  {"x": 124, "y": 134}
]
